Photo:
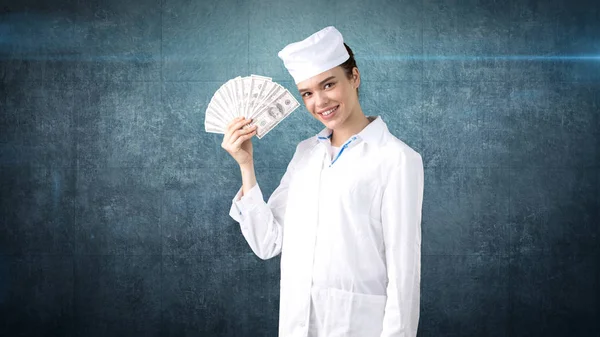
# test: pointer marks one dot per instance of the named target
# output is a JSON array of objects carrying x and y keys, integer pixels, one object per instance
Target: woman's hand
[{"x": 237, "y": 142}]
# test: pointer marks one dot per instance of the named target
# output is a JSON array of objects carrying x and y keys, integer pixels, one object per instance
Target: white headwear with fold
[{"x": 317, "y": 53}]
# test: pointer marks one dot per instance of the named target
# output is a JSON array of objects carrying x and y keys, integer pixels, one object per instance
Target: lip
[{"x": 331, "y": 115}]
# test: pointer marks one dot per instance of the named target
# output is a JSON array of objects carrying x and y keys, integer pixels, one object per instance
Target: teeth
[{"x": 328, "y": 112}]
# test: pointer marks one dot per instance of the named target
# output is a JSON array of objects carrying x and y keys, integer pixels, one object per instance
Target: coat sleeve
[
  {"x": 261, "y": 222},
  {"x": 401, "y": 220}
]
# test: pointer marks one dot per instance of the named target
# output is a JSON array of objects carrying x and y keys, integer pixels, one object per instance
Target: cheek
[
  {"x": 343, "y": 96},
  {"x": 337, "y": 95},
  {"x": 308, "y": 103}
]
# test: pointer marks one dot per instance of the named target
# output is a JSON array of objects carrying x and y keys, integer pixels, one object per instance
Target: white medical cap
[{"x": 317, "y": 53}]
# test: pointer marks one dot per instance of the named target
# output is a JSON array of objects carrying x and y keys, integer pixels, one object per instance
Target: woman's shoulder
[
  {"x": 398, "y": 152},
  {"x": 304, "y": 148},
  {"x": 307, "y": 144}
]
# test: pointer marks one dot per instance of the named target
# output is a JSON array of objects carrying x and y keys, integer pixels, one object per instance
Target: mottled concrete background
[{"x": 114, "y": 201}]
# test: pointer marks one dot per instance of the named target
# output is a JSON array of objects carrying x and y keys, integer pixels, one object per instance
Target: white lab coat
[{"x": 349, "y": 234}]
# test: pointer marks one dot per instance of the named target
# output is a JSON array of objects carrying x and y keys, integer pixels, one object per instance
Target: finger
[
  {"x": 231, "y": 127},
  {"x": 241, "y": 139},
  {"x": 235, "y": 135},
  {"x": 241, "y": 132},
  {"x": 233, "y": 121},
  {"x": 245, "y": 137},
  {"x": 238, "y": 123}
]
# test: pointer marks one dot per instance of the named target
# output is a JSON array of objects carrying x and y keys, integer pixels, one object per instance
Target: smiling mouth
[{"x": 329, "y": 112}]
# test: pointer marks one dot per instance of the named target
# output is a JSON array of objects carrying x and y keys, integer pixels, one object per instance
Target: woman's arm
[
  {"x": 248, "y": 177},
  {"x": 401, "y": 221},
  {"x": 262, "y": 223}
]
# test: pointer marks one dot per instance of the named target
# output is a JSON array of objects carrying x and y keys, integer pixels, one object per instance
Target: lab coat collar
[{"x": 372, "y": 133}]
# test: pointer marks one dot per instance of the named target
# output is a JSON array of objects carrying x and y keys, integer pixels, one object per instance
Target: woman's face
[{"x": 331, "y": 97}]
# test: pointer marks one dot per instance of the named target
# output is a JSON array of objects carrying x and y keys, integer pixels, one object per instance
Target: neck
[{"x": 353, "y": 125}]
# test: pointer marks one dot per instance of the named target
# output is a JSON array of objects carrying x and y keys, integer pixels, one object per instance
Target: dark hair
[{"x": 349, "y": 64}]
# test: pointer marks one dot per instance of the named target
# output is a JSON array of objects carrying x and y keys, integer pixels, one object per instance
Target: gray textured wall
[{"x": 114, "y": 201}]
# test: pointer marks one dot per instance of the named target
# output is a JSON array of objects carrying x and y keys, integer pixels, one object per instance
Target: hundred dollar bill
[
  {"x": 238, "y": 92},
  {"x": 216, "y": 113},
  {"x": 272, "y": 114},
  {"x": 265, "y": 78},
  {"x": 213, "y": 129},
  {"x": 259, "y": 88},
  {"x": 213, "y": 126},
  {"x": 227, "y": 97},
  {"x": 269, "y": 94},
  {"x": 249, "y": 96},
  {"x": 246, "y": 89},
  {"x": 218, "y": 105}
]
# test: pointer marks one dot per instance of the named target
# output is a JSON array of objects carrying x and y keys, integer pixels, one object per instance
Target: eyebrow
[{"x": 320, "y": 83}]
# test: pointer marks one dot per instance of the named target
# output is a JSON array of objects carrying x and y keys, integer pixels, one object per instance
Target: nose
[{"x": 321, "y": 99}]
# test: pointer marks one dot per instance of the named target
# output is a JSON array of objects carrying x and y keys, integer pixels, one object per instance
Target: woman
[{"x": 346, "y": 216}]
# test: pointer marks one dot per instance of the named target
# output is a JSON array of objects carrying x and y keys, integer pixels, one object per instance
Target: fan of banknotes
[{"x": 254, "y": 97}]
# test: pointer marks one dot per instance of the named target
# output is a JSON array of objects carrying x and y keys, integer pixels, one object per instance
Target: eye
[
  {"x": 329, "y": 85},
  {"x": 306, "y": 94}
]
